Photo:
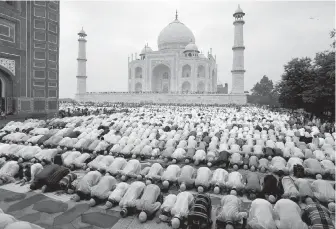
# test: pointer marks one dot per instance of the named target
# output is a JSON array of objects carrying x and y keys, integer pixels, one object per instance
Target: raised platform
[{"x": 163, "y": 98}]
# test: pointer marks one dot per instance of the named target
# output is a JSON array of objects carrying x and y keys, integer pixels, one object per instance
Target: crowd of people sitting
[
  {"x": 153, "y": 92},
  {"x": 171, "y": 159}
]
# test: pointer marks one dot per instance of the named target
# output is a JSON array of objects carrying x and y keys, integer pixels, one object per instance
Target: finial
[{"x": 176, "y": 16}]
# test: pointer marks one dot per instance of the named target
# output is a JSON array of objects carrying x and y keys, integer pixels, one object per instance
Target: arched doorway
[
  {"x": 161, "y": 79},
  {"x": 6, "y": 91},
  {"x": 200, "y": 71},
  {"x": 138, "y": 87},
  {"x": 138, "y": 73},
  {"x": 200, "y": 87},
  {"x": 186, "y": 71},
  {"x": 186, "y": 87}
]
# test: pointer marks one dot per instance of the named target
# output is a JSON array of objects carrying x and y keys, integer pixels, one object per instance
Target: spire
[{"x": 176, "y": 16}]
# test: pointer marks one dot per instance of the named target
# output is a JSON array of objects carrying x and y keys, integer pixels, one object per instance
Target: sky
[{"x": 274, "y": 33}]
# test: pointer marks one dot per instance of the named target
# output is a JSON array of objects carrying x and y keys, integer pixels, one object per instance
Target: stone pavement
[{"x": 52, "y": 213}]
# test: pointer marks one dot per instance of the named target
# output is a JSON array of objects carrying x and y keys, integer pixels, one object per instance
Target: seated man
[
  {"x": 278, "y": 165},
  {"x": 230, "y": 213},
  {"x": 261, "y": 215},
  {"x": 288, "y": 215},
  {"x": 316, "y": 215},
  {"x": 271, "y": 190}
]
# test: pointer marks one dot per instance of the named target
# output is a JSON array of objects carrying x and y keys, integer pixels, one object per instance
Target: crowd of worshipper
[
  {"x": 154, "y": 92},
  {"x": 167, "y": 161}
]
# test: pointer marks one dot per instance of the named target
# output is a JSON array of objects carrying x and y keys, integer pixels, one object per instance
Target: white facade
[
  {"x": 238, "y": 53},
  {"x": 81, "y": 63},
  {"x": 177, "y": 66}
]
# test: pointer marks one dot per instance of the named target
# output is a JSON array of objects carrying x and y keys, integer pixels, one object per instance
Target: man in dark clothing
[{"x": 270, "y": 190}]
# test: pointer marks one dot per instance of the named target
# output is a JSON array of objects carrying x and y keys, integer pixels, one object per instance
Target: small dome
[
  {"x": 191, "y": 47},
  {"x": 238, "y": 11},
  {"x": 82, "y": 32},
  {"x": 145, "y": 50}
]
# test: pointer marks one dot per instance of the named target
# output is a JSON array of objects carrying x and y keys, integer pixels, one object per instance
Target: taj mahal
[{"x": 176, "y": 67}]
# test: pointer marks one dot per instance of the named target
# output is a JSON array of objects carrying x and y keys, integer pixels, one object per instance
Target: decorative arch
[
  {"x": 161, "y": 76},
  {"x": 138, "y": 73},
  {"x": 200, "y": 71},
  {"x": 186, "y": 86},
  {"x": 138, "y": 87},
  {"x": 8, "y": 66},
  {"x": 7, "y": 90},
  {"x": 186, "y": 71},
  {"x": 200, "y": 87}
]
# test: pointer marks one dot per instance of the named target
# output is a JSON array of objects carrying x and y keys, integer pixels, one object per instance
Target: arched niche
[
  {"x": 186, "y": 87},
  {"x": 186, "y": 71},
  {"x": 138, "y": 73},
  {"x": 138, "y": 87},
  {"x": 200, "y": 71},
  {"x": 161, "y": 76}
]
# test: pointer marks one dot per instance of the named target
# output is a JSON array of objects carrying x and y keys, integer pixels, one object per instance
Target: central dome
[{"x": 175, "y": 36}]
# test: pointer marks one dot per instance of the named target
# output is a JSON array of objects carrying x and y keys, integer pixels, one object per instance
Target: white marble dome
[
  {"x": 191, "y": 47},
  {"x": 175, "y": 35},
  {"x": 145, "y": 50}
]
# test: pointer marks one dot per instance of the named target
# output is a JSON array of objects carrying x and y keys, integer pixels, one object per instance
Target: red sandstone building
[{"x": 29, "y": 56}]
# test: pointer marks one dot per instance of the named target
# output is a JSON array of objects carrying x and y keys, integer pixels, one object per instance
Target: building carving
[{"x": 8, "y": 64}]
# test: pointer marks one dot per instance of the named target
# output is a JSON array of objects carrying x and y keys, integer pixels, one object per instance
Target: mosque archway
[
  {"x": 138, "y": 87},
  {"x": 161, "y": 76},
  {"x": 186, "y": 71},
  {"x": 200, "y": 71},
  {"x": 6, "y": 91},
  {"x": 138, "y": 72},
  {"x": 200, "y": 87},
  {"x": 186, "y": 87}
]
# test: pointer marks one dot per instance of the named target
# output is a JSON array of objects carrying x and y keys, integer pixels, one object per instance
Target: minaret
[
  {"x": 81, "y": 63},
  {"x": 238, "y": 53}
]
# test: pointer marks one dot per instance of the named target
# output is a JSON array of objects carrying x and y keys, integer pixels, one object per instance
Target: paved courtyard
[{"x": 53, "y": 211}]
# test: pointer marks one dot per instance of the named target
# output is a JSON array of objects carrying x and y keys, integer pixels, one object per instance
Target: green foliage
[
  {"x": 309, "y": 84},
  {"x": 332, "y": 36},
  {"x": 263, "y": 88}
]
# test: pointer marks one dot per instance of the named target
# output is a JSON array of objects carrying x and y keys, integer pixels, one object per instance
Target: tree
[
  {"x": 309, "y": 84},
  {"x": 332, "y": 36},
  {"x": 263, "y": 88},
  {"x": 319, "y": 96},
  {"x": 298, "y": 73}
]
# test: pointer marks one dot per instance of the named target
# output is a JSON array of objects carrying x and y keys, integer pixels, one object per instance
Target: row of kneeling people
[
  {"x": 50, "y": 177},
  {"x": 74, "y": 159},
  {"x": 186, "y": 208},
  {"x": 152, "y": 147},
  {"x": 325, "y": 143}
]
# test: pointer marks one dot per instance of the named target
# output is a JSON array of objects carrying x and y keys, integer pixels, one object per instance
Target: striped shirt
[
  {"x": 318, "y": 216},
  {"x": 54, "y": 178}
]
